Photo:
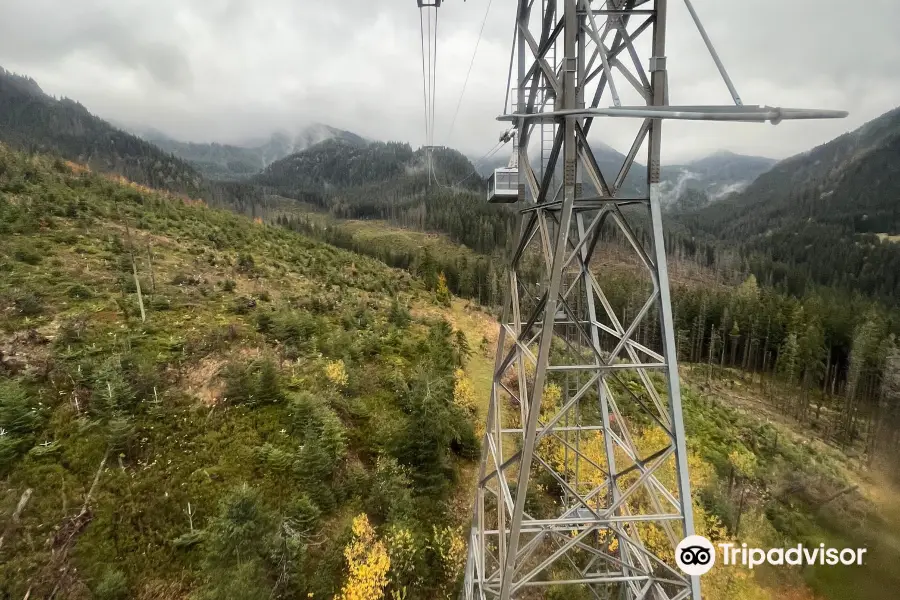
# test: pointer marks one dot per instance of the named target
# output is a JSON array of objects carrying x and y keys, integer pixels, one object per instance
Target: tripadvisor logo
[{"x": 696, "y": 555}]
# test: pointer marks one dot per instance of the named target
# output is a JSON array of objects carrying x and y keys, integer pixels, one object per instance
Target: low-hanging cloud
[{"x": 228, "y": 70}]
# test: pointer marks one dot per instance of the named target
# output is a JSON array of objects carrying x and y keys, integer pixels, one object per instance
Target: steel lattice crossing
[{"x": 583, "y": 480}]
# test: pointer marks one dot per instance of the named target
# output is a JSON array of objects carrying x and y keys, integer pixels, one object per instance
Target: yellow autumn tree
[
  {"x": 442, "y": 291},
  {"x": 449, "y": 546},
  {"x": 550, "y": 401},
  {"x": 336, "y": 373},
  {"x": 368, "y": 562},
  {"x": 463, "y": 392},
  {"x": 591, "y": 473}
]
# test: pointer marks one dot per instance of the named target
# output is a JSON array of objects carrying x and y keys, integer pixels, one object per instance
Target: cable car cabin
[{"x": 503, "y": 186}]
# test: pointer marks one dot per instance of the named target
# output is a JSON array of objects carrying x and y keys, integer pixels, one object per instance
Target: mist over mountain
[
  {"x": 851, "y": 182},
  {"x": 695, "y": 183},
  {"x": 240, "y": 161},
  {"x": 841, "y": 196},
  {"x": 711, "y": 178}
]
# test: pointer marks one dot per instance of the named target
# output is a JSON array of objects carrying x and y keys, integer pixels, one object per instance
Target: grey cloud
[
  {"x": 163, "y": 62},
  {"x": 232, "y": 69},
  {"x": 47, "y": 34}
]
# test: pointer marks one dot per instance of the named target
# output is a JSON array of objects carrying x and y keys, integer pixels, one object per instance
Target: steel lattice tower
[{"x": 584, "y": 477}]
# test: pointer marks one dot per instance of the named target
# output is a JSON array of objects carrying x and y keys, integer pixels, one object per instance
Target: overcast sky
[{"x": 225, "y": 70}]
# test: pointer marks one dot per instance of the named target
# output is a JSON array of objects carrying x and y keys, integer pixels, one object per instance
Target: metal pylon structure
[{"x": 583, "y": 482}]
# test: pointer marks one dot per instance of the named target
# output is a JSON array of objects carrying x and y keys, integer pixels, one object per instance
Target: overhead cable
[{"x": 471, "y": 64}]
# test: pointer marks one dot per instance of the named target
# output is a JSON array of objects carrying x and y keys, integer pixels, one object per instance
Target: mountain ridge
[
  {"x": 31, "y": 120},
  {"x": 241, "y": 161},
  {"x": 339, "y": 163},
  {"x": 711, "y": 178},
  {"x": 799, "y": 187},
  {"x": 841, "y": 195}
]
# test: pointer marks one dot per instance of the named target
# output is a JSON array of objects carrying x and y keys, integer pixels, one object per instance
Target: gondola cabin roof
[{"x": 503, "y": 186}]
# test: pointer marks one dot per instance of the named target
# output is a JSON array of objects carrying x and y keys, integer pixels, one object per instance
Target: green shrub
[
  {"x": 185, "y": 279},
  {"x": 303, "y": 514},
  {"x": 243, "y": 305},
  {"x": 27, "y": 256},
  {"x": 264, "y": 322},
  {"x": 399, "y": 314},
  {"x": 239, "y": 531},
  {"x": 20, "y": 414},
  {"x": 79, "y": 292},
  {"x": 29, "y": 305},
  {"x": 113, "y": 585},
  {"x": 245, "y": 263},
  {"x": 160, "y": 303},
  {"x": 258, "y": 383},
  {"x": 112, "y": 393},
  {"x": 11, "y": 447}
]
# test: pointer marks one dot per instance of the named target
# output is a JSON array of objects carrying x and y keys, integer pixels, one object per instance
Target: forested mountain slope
[
  {"x": 336, "y": 163},
  {"x": 216, "y": 161},
  {"x": 32, "y": 121},
  {"x": 228, "y": 161},
  {"x": 194, "y": 405},
  {"x": 339, "y": 163},
  {"x": 391, "y": 181},
  {"x": 843, "y": 196},
  {"x": 852, "y": 182},
  {"x": 711, "y": 178}
]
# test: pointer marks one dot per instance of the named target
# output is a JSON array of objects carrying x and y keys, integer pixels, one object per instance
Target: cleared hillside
[{"x": 223, "y": 446}]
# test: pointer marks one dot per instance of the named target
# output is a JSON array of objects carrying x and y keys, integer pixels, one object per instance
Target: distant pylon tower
[{"x": 583, "y": 482}]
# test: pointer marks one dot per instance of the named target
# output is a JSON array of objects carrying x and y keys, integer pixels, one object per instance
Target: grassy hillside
[{"x": 222, "y": 446}]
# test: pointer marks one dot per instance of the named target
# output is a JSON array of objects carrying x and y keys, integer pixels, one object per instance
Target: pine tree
[
  {"x": 735, "y": 336},
  {"x": 788, "y": 358},
  {"x": 865, "y": 340},
  {"x": 463, "y": 352},
  {"x": 268, "y": 390}
]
